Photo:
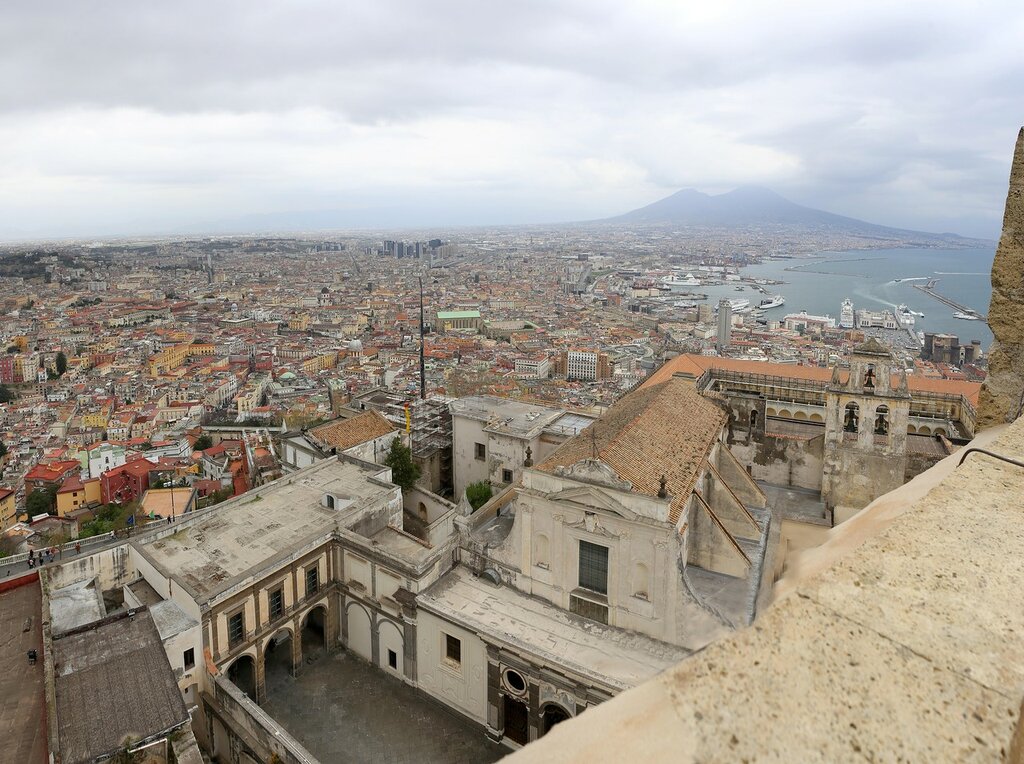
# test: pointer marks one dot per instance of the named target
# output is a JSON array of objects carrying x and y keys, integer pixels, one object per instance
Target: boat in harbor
[
  {"x": 772, "y": 302},
  {"x": 675, "y": 284},
  {"x": 740, "y": 306},
  {"x": 966, "y": 316}
]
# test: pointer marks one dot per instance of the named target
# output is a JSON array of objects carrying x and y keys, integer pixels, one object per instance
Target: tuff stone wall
[{"x": 1002, "y": 395}]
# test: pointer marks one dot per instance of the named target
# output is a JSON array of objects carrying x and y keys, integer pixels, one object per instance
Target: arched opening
[
  {"x": 314, "y": 641},
  {"x": 242, "y": 674},
  {"x": 785, "y": 414},
  {"x": 924, "y": 430},
  {"x": 911, "y": 430},
  {"x": 540, "y": 550},
  {"x": 753, "y": 419},
  {"x": 551, "y": 716},
  {"x": 882, "y": 420},
  {"x": 422, "y": 509},
  {"x": 330, "y": 501},
  {"x": 816, "y": 418},
  {"x": 800, "y": 415},
  {"x": 851, "y": 420},
  {"x": 770, "y": 411},
  {"x": 869, "y": 377},
  {"x": 277, "y": 659},
  {"x": 641, "y": 583},
  {"x": 939, "y": 431}
]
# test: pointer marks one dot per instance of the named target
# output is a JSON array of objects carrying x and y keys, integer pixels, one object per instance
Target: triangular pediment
[{"x": 592, "y": 498}]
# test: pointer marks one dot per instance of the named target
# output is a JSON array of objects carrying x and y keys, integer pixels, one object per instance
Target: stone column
[
  {"x": 296, "y": 646},
  {"x": 260, "y": 675},
  {"x": 375, "y": 638},
  {"x": 409, "y": 649},
  {"x": 1002, "y": 395}
]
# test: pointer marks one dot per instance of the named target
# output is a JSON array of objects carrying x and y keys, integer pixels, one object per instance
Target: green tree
[
  {"x": 202, "y": 443},
  {"x": 3, "y": 449},
  {"x": 40, "y": 502},
  {"x": 61, "y": 363},
  {"x": 478, "y": 494},
  {"x": 404, "y": 471},
  {"x": 5, "y": 394}
]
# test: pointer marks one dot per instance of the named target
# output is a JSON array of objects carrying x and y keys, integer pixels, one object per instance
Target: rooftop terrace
[{"x": 263, "y": 526}]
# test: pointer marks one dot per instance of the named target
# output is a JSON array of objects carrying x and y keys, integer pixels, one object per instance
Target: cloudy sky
[{"x": 132, "y": 117}]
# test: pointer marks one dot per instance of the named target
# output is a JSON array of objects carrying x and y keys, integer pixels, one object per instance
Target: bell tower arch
[{"x": 866, "y": 420}]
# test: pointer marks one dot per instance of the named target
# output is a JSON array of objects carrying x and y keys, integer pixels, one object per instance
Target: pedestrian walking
[{"x": 78, "y": 547}]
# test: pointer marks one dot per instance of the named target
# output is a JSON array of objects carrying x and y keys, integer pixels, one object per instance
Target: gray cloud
[{"x": 164, "y": 113}]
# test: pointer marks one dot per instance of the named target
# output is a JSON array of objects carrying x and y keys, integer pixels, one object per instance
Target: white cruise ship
[
  {"x": 846, "y": 314},
  {"x": 676, "y": 284},
  {"x": 772, "y": 302}
]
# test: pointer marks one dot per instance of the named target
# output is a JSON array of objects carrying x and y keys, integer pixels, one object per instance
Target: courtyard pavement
[{"x": 344, "y": 710}]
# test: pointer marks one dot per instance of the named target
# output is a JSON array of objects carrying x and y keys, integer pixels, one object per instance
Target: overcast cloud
[{"x": 132, "y": 117}]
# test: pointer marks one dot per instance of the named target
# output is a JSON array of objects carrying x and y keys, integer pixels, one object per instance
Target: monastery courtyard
[{"x": 343, "y": 710}]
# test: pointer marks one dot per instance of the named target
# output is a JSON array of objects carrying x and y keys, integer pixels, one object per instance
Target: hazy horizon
[{"x": 128, "y": 119}]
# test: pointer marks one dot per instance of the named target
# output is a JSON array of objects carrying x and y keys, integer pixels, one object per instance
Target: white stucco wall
[{"x": 465, "y": 687}]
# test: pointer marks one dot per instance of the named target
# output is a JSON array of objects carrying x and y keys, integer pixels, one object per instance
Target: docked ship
[
  {"x": 966, "y": 316},
  {"x": 905, "y": 316},
  {"x": 772, "y": 302},
  {"x": 740, "y": 306},
  {"x": 846, "y": 314},
  {"x": 676, "y": 284}
]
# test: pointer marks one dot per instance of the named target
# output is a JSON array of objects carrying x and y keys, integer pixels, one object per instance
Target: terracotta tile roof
[
  {"x": 345, "y": 433},
  {"x": 662, "y": 429},
  {"x": 698, "y": 364}
]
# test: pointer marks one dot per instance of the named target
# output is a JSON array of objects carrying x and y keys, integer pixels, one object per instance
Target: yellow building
[
  {"x": 320, "y": 362},
  {"x": 169, "y": 359},
  {"x": 98, "y": 418},
  {"x": 76, "y": 493},
  {"x": 298, "y": 323},
  {"x": 8, "y": 509}
]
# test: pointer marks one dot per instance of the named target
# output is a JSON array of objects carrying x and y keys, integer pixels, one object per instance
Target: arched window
[
  {"x": 540, "y": 550},
  {"x": 869, "y": 377},
  {"x": 851, "y": 421},
  {"x": 641, "y": 583},
  {"x": 330, "y": 501},
  {"x": 423, "y": 512},
  {"x": 882, "y": 420}
]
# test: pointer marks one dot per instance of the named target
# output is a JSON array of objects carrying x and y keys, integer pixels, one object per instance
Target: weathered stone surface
[{"x": 1003, "y": 393}]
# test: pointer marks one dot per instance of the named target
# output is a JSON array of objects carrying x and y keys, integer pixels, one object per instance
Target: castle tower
[{"x": 865, "y": 431}]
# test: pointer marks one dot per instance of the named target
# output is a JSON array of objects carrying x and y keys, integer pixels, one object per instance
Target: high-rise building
[{"x": 724, "y": 324}]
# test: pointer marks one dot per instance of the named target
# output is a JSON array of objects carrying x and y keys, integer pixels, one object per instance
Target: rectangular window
[
  {"x": 312, "y": 580},
  {"x": 190, "y": 658},
  {"x": 506, "y": 476},
  {"x": 236, "y": 628},
  {"x": 276, "y": 603},
  {"x": 393, "y": 659},
  {"x": 479, "y": 450},
  {"x": 453, "y": 650},
  {"x": 594, "y": 567}
]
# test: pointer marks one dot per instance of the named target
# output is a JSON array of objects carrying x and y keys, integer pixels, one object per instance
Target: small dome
[
  {"x": 355, "y": 346},
  {"x": 325, "y": 290}
]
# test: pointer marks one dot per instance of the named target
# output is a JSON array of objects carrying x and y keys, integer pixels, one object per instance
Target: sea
[{"x": 869, "y": 278}]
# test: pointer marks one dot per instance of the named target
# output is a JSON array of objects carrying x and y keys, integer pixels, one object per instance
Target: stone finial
[
  {"x": 1002, "y": 395},
  {"x": 662, "y": 490},
  {"x": 528, "y": 461}
]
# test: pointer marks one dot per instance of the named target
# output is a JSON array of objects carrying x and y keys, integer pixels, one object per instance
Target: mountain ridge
[{"x": 756, "y": 205}]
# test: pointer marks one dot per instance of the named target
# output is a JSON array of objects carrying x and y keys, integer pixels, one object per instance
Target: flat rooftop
[
  {"x": 22, "y": 697},
  {"x": 112, "y": 681},
  {"x": 506, "y": 415},
  {"x": 260, "y": 527},
  {"x": 615, "y": 657}
]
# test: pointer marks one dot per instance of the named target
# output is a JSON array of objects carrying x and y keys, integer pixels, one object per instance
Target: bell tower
[{"x": 865, "y": 431}]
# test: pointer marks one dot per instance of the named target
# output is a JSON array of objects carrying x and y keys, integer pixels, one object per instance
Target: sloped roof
[
  {"x": 664, "y": 429},
  {"x": 346, "y": 433}
]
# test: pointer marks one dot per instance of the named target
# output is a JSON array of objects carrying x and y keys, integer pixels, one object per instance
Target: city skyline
[{"x": 133, "y": 120}]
